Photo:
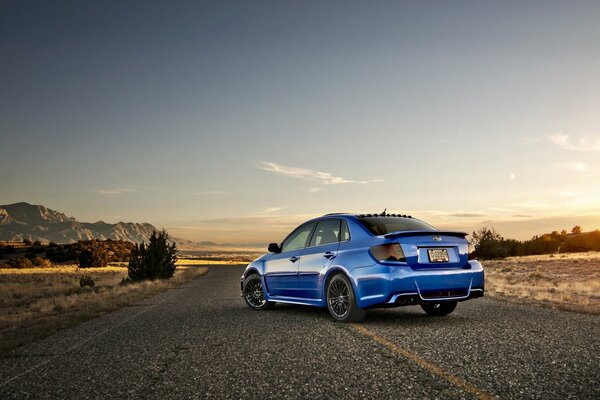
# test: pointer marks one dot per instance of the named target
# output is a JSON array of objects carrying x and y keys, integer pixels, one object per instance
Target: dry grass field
[
  {"x": 35, "y": 302},
  {"x": 566, "y": 281},
  {"x": 220, "y": 256}
]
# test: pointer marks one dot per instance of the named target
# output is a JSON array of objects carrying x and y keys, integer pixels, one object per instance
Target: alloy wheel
[
  {"x": 338, "y": 296},
  {"x": 253, "y": 292}
]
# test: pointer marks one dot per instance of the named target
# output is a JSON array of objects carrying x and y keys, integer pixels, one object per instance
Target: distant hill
[{"x": 35, "y": 222}]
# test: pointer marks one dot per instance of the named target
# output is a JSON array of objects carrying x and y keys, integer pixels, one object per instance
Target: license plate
[{"x": 438, "y": 255}]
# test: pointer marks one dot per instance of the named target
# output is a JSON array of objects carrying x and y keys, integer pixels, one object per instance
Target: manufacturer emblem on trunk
[{"x": 437, "y": 238}]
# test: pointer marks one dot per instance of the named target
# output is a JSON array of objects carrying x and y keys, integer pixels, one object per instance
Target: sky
[{"x": 235, "y": 121}]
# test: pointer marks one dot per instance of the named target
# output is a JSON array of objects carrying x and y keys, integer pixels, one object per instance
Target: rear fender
[{"x": 336, "y": 269}]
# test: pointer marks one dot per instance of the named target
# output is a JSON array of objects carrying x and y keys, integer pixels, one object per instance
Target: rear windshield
[{"x": 385, "y": 225}]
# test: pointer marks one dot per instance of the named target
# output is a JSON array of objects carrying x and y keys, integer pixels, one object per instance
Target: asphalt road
[{"x": 201, "y": 341}]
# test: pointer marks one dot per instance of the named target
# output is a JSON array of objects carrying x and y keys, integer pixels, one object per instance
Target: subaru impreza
[{"x": 351, "y": 263}]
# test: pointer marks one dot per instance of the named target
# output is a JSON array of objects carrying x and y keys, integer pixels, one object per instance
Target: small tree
[
  {"x": 93, "y": 257},
  {"x": 155, "y": 260},
  {"x": 576, "y": 230},
  {"x": 490, "y": 244}
]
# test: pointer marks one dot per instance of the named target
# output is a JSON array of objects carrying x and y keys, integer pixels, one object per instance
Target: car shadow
[
  {"x": 411, "y": 317},
  {"x": 298, "y": 309},
  {"x": 404, "y": 316}
]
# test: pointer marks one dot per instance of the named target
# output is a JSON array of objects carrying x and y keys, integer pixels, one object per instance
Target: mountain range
[{"x": 36, "y": 222}]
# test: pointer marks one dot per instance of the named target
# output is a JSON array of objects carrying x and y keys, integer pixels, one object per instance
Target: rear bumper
[
  {"x": 390, "y": 286},
  {"x": 409, "y": 299}
]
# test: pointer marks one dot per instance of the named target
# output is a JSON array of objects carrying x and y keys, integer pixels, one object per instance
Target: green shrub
[
  {"x": 59, "y": 254},
  {"x": 95, "y": 257},
  {"x": 490, "y": 244},
  {"x": 155, "y": 260},
  {"x": 32, "y": 252}
]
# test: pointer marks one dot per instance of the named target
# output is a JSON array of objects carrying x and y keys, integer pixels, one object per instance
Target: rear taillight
[
  {"x": 472, "y": 253},
  {"x": 388, "y": 253}
]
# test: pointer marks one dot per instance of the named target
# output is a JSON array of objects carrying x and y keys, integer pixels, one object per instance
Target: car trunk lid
[{"x": 433, "y": 249}]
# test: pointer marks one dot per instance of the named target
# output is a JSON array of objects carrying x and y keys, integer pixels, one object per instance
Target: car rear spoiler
[{"x": 392, "y": 235}]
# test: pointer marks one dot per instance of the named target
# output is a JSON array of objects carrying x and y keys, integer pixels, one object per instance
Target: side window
[
  {"x": 327, "y": 232},
  {"x": 298, "y": 238},
  {"x": 345, "y": 233}
]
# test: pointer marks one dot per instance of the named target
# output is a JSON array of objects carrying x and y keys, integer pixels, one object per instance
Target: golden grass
[
  {"x": 566, "y": 281},
  {"x": 202, "y": 261},
  {"x": 220, "y": 256},
  {"x": 36, "y": 302}
]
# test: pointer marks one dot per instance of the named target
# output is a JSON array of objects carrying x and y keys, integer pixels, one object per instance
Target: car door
[
  {"x": 281, "y": 270},
  {"x": 320, "y": 252}
]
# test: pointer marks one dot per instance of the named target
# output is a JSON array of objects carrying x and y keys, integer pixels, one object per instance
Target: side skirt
[{"x": 296, "y": 300}]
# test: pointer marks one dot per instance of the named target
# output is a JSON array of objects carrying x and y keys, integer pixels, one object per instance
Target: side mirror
[{"x": 274, "y": 248}]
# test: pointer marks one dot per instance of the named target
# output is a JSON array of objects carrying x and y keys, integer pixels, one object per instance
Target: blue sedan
[{"x": 350, "y": 263}]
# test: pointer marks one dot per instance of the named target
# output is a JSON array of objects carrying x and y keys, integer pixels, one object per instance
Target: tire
[
  {"x": 341, "y": 301},
  {"x": 254, "y": 295},
  {"x": 439, "y": 309}
]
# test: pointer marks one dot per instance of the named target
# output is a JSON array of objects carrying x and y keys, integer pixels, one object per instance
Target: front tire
[
  {"x": 439, "y": 309},
  {"x": 341, "y": 301},
  {"x": 254, "y": 294}
]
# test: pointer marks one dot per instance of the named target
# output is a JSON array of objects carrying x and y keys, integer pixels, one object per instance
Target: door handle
[
  {"x": 294, "y": 259},
  {"x": 329, "y": 255}
]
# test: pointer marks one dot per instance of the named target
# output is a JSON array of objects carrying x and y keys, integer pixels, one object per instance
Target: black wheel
[
  {"x": 341, "y": 301},
  {"x": 254, "y": 295},
  {"x": 439, "y": 309}
]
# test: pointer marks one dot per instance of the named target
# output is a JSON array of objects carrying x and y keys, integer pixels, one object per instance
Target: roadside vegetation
[
  {"x": 153, "y": 261},
  {"x": 557, "y": 269},
  {"x": 492, "y": 245},
  {"x": 109, "y": 251},
  {"x": 565, "y": 281},
  {"x": 39, "y": 297},
  {"x": 35, "y": 302}
]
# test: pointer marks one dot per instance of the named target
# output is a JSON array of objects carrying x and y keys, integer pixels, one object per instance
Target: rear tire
[
  {"x": 341, "y": 301},
  {"x": 439, "y": 309},
  {"x": 254, "y": 294}
]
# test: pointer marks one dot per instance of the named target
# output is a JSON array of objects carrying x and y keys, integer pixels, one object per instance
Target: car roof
[{"x": 383, "y": 214}]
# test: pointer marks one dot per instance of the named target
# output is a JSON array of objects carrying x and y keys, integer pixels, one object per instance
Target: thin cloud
[
  {"x": 324, "y": 178},
  {"x": 580, "y": 168},
  {"x": 452, "y": 214},
  {"x": 512, "y": 176},
  {"x": 314, "y": 190},
  {"x": 467, "y": 215},
  {"x": 585, "y": 143},
  {"x": 118, "y": 189},
  {"x": 269, "y": 220},
  {"x": 211, "y": 193},
  {"x": 114, "y": 192},
  {"x": 272, "y": 210},
  {"x": 530, "y": 204}
]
